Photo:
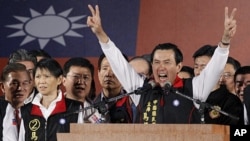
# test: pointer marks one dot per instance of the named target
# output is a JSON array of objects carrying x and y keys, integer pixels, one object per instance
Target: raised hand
[
  {"x": 94, "y": 22},
  {"x": 229, "y": 26}
]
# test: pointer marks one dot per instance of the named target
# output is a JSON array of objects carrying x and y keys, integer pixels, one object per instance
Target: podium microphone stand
[{"x": 203, "y": 106}]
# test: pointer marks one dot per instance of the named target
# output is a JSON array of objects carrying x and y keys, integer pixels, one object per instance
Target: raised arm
[
  {"x": 94, "y": 22},
  {"x": 229, "y": 27},
  {"x": 204, "y": 83},
  {"x": 127, "y": 76}
]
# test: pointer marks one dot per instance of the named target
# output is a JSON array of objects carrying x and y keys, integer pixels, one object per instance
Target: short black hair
[
  {"x": 78, "y": 61},
  {"x": 102, "y": 56},
  {"x": 206, "y": 50},
  {"x": 169, "y": 46},
  {"x": 51, "y": 65},
  {"x": 242, "y": 70},
  {"x": 81, "y": 62},
  {"x": 235, "y": 63}
]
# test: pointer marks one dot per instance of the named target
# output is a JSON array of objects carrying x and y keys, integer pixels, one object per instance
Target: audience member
[
  {"x": 239, "y": 80},
  {"x": 111, "y": 88},
  {"x": 22, "y": 56},
  {"x": 227, "y": 78},
  {"x": 78, "y": 80},
  {"x": 50, "y": 112},
  {"x": 15, "y": 81},
  {"x": 160, "y": 105},
  {"x": 242, "y": 80}
]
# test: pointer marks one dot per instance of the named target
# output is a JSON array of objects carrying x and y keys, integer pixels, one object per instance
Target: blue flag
[{"x": 59, "y": 26}]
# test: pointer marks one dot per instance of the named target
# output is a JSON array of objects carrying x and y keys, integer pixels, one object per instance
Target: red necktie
[{"x": 18, "y": 119}]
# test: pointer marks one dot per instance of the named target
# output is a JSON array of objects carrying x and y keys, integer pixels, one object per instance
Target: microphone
[
  {"x": 147, "y": 86},
  {"x": 167, "y": 87},
  {"x": 101, "y": 106}
]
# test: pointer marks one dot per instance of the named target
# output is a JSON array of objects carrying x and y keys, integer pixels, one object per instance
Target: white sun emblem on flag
[{"x": 47, "y": 26}]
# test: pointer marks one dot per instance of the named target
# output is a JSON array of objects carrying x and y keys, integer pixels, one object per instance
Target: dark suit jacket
[{"x": 246, "y": 97}]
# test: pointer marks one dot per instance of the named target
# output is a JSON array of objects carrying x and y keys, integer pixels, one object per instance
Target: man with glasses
[
  {"x": 227, "y": 78},
  {"x": 15, "y": 84},
  {"x": 78, "y": 80}
]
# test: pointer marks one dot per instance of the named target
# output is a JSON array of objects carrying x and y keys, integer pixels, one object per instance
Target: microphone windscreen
[
  {"x": 152, "y": 84},
  {"x": 168, "y": 85},
  {"x": 119, "y": 115}
]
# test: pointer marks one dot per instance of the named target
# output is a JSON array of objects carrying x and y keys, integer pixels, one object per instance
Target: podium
[{"x": 146, "y": 132}]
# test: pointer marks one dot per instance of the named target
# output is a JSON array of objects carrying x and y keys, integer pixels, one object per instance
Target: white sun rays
[{"x": 47, "y": 26}]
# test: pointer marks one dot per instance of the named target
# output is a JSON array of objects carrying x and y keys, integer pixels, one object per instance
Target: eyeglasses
[
  {"x": 86, "y": 78},
  {"x": 227, "y": 75}
]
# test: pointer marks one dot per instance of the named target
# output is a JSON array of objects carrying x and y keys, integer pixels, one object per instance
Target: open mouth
[{"x": 162, "y": 77}]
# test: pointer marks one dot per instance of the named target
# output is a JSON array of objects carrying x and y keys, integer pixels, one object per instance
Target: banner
[{"x": 59, "y": 26}]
